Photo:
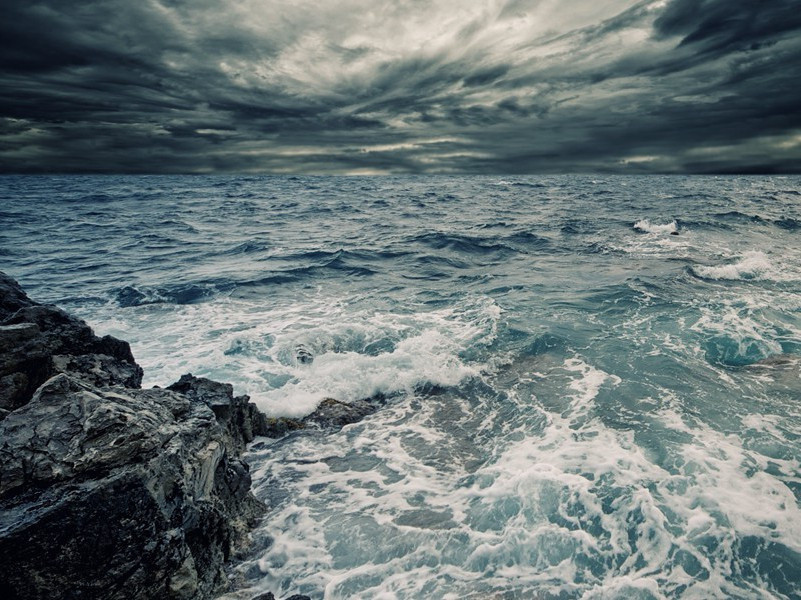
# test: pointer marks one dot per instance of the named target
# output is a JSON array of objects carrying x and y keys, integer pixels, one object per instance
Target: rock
[
  {"x": 38, "y": 341},
  {"x": 265, "y": 596},
  {"x": 12, "y": 297},
  {"x": 235, "y": 414},
  {"x": 118, "y": 489},
  {"x": 304, "y": 355},
  {"x": 329, "y": 414},
  {"x": 108, "y": 490},
  {"x": 275, "y": 427}
]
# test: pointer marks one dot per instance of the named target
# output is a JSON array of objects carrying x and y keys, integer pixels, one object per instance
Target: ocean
[{"x": 590, "y": 384}]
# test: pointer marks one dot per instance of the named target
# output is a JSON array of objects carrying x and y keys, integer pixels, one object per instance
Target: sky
[{"x": 403, "y": 86}]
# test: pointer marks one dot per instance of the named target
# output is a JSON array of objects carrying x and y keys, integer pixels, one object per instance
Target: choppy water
[{"x": 579, "y": 403}]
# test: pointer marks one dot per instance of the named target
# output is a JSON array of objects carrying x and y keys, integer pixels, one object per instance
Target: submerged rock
[
  {"x": 108, "y": 490},
  {"x": 329, "y": 414}
]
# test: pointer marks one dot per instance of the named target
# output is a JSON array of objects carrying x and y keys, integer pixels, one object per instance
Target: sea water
[{"x": 590, "y": 384}]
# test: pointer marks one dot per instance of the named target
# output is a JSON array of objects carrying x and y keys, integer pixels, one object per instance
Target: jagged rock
[
  {"x": 37, "y": 341},
  {"x": 107, "y": 490},
  {"x": 144, "y": 474},
  {"x": 235, "y": 414},
  {"x": 12, "y": 297}
]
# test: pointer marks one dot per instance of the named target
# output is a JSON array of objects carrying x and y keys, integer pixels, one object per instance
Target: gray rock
[
  {"x": 38, "y": 341},
  {"x": 107, "y": 490},
  {"x": 12, "y": 297},
  {"x": 235, "y": 414},
  {"x": 118, "y": 489},
  {"x": 329, "y": 414}
]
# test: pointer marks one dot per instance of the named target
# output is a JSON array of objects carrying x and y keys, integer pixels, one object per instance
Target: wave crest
[
  {"x": 752, "y": 265},
  {"x": 646, "y": 226}
]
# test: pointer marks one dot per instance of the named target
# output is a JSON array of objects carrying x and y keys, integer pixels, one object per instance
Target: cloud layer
[{"x": 386, "y": 86}]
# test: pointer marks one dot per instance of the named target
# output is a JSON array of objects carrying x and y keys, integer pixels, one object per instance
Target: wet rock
[
  {"x": 304, "y": 355},
  {"x": 275, "y": 427},
  {"x": 108, "y": 490},
  {"x": 329, "y": 414},
  {"x": 12, "y": 297},
  {"x": 38, "y": 341},
  {"x": 235, "y": 413},
  {"x": 118, "y": 489}
]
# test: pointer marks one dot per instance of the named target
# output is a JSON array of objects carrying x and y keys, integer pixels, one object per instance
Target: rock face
[
  {"x": 39, "y": 341},
  {"x": 108, "y": 490}
]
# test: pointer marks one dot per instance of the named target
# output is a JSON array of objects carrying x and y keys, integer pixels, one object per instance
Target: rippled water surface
[{"x": 591, "y": 384}]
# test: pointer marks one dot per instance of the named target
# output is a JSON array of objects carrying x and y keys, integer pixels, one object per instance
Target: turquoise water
[{"x": 579, "y": 403}]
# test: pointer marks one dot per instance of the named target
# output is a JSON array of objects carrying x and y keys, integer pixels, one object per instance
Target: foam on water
[
  {"x": 355, "y": 354},
  {"x": 646, "y": 226},
  {"x": 751, "y": 265},
  {"x": 572, "y": 508},
  {"x": 426, "y": 358}
]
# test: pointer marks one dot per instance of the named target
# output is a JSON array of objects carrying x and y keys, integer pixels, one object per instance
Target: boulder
[{"x": 108, "y": 490}]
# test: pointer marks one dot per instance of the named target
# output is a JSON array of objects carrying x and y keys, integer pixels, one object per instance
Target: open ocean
[{"x": 578, "y": 403}]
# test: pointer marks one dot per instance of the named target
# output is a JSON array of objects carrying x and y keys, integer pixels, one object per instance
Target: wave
[
  {"x": 646, "y": 226},
  {"x": 527, "y": 238},
  {"x": 785, "y": 222},
  {"x": 189, "y": 293},
  {"x": 788, "y": 223},
  {"x": 752, "y": 265},
  {"x": 462, "y": 243},
  {"x": 736, "y": 215},
  {"x": 249, "y": 247}
]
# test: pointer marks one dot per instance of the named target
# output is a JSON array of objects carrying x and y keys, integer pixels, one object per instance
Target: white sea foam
[
  {"x": 356, "y": 352},
  {"x": 751, "y": 265},
  {"x": 391, "y": 517},
  {"x": 429, "y": 357},
  {"x": 646, "y": 226}
]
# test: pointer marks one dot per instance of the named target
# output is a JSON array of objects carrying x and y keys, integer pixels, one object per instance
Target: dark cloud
[
  {"x": 723, "y": 25},
  {"x": 356, "y": 86}
]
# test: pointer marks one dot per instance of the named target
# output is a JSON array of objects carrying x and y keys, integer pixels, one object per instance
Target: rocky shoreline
[{"x": 111, "y": 491}]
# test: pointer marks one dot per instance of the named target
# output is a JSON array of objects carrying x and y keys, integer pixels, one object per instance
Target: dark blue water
[{"x": 580, "y": 404}]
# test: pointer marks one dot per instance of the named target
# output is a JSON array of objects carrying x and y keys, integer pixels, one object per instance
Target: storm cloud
[{"x": 405, "y": 86}]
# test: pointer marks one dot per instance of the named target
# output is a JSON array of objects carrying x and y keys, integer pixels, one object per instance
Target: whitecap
[
  {"x": 646, "y": 226},
  {"x": 751, "y": 265}
]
